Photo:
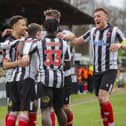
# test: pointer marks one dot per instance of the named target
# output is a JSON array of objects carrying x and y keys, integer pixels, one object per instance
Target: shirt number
[{"x": 56, "y": 61}]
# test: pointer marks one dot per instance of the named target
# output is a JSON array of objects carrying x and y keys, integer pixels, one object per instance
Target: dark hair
[
  {"x": 51, "y": 25},
  {"x": 33, "y": 28},
  {"x": 101, "y": 9},
  {"x": 15, "y": 19}
]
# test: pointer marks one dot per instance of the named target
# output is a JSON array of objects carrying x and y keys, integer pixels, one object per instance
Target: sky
[{"x": 117, "y": 3}]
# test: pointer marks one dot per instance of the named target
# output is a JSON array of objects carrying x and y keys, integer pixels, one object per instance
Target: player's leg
[
  {"x": 68, "y": 111},
  {"x": 45, "y": 96},
  {"x": 97, "y": 82},
  {"x": 26, "y": 93},
  {"x": 105, "y": 89},
  {"x": 58, "y": 106},
  {"x": 13, "y": 103},
  {"x": 46, "y": 120},
  {"x": 33, "y": 112},
  {"x": 53, "y": 117},
  {"x": 8, "y": 109}
]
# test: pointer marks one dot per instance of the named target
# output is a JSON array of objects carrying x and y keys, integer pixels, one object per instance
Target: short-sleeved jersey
[
  {"x": 67, "y": 68},
  {"x": 30, "y": 71},
  {"x": 10, "y": 55},
  {"x": 101, "y": 41},
  {"x": 53, "y": 53}
]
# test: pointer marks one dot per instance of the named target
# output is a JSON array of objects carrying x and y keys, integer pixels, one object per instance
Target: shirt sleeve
[
  {"x": 67, "y": 67},
  {"x": 6, "y": 54},
  {"x": 29, "y": 47},
  {"x": 120, "y": 35},
  {"x": 86, "y": 36},
  {"x": 67, "y": 56},
  {"x": 67, "y": 62},
  {"x": 8, "y": 44}
]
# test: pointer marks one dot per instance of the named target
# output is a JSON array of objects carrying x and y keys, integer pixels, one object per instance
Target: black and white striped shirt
[
  {"x": 101, "y": 41},
  {"x": 67, "y": 68},
  {"x": 30, "y": 71},
  {"x": 9, "y": 53},
  {"x": 53, "y": 52}
]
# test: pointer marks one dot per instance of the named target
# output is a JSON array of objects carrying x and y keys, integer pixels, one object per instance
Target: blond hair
[{"x": 52, "y": 12}]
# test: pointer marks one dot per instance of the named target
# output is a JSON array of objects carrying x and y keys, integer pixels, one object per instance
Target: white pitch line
[{"x": 92, "y": 99}]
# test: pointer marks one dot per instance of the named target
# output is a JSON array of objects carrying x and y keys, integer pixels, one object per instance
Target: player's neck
[
  {"x": 104, "y": 27},
  {"x": 17, "y": 36},
  {"x": 51, "y": 34}
]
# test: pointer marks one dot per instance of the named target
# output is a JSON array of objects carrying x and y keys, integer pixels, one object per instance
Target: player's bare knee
[{"x": 103, "y": 96}]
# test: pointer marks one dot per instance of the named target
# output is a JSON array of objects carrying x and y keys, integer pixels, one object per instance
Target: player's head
[
  {"x": 18, "y": 25},
  {"x": 52, "y": 14},
  {"x": 100, "y": 18},
  {"x": 35, "y": 30},
  {"x": 51, "y": 25},
  {"x": 52, "y": 20}
]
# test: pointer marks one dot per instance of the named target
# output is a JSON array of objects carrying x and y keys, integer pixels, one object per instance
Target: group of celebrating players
[{"x": 38, "y": 64}]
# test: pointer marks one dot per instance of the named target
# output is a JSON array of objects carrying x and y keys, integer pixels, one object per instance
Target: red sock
[
  {"x": 104, "y": 117},
  {"x": 70, "y": 119},
  {"x": 11, "y": 120},
  {"x": 6, "y": 117},
  {"x": 23, "y": 121},
  {"x": 32, "y": 118},
  {"x": 53, "y": 118},
  {"x": 108, "y": 111}
]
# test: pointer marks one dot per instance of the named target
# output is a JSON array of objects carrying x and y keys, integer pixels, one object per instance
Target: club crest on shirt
[{"x": 108, "y": 34}]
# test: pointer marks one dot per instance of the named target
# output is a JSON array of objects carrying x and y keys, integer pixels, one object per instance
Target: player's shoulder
[
  {"x": 30, "y": 40},
  {"x": 64, "y": 42},
  {"x": 93, "y": 28},
  {"x": 115, "y": 27},
  {"x": 10, "y": 38}
]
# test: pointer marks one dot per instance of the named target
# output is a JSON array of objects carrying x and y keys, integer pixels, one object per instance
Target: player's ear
[{"x": 39, "y": 35}]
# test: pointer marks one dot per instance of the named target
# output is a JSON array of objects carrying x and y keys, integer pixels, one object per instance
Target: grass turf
[{"x": 86, "y": 109}]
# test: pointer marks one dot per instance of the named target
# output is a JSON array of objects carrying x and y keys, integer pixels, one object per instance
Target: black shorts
[
  {"x": 12, "y": 96},
  {"x": 35, "y": 91},
  {"x": 104, "y": 81},
  {"x": 50, "y": 96},
  {"x": 26, "y": 92},
  {"x": 67, "y": 100},
  {"x": 67, "y": 93}
]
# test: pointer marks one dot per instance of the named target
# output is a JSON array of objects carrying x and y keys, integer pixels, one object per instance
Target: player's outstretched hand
[
  {"x": 6, "y": 32},
  {"x": 69, "y": 37}
]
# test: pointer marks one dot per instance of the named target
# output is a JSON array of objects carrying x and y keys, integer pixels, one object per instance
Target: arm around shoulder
[
  {"x": 77, "y": 41},
  {"x": 8, "y": 64},
  {"x": 71, "y": 37}
]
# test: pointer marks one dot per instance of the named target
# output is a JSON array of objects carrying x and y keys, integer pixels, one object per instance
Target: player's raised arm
[{"x": 70, "y": 37}]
